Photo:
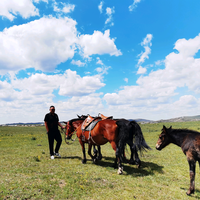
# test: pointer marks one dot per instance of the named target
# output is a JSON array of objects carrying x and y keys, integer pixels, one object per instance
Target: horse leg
[
  {"x": 137, "y": 159},
  {"x": 95, "y": 151},
  {"x": 131, "y": 161},
  {"x": 83, "y": 150},
  {"x": 117, "y": 158},
  {"x": 89, "y": 152},
  {"x": 99, "y": 157},
  {"x": 192, "y": 165},
  {"x": 124, "y": 155}
]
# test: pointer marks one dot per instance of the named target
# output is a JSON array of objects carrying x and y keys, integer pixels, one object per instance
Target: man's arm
[
  {"x": 45, "y": 123},
  {"x": 61, "y": 125}
]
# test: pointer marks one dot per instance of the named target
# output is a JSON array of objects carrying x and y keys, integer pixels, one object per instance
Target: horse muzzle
[
  {"x": 68, "y": 137},
  {"x": 158, "y": 147}
]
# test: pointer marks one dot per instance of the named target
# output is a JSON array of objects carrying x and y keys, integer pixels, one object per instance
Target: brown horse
[
  {"x": 105, "y": 131},
  {"x": 189, "y": 141}
]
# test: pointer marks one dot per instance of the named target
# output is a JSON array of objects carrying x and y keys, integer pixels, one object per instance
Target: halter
[{"x": 67, "y": 134}]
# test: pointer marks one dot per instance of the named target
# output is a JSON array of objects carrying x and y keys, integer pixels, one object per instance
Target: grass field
[{"x": 26, "y": 171}]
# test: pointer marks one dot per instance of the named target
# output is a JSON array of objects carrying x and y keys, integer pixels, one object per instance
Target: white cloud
[
  {"x": 109, "y": 12},
  {"x": 126, "y": 80},
  {"x": 134, "y": 5},
  {"x": 25, "y": 8},
  {"x": 141, "y": 70},
  {"x": 63, "y": 7},
  {"x": 41, "y": 44},
  {"x": 98, "y": 43},
  {"x": 99, "y": 61},
  {"x": 146, "y": 43},
  {"x": 100, "y": 7},
  {"x": 32, "y": 96},
  {"x": 158, "y": 92},
  {"x": 78, "y": 62}
]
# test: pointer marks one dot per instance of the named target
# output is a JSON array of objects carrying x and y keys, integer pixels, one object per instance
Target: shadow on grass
[
  {"x": 71, "y": 157},
  {"x": 147, "y": 168}
]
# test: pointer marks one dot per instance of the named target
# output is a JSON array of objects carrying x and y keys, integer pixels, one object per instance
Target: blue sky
[{"x": 131, "y": 59}]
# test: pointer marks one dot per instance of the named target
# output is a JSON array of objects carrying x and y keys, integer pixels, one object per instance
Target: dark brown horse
[
  {"x": 189, "y": 141},
  {"x": 104, "y": 131}
]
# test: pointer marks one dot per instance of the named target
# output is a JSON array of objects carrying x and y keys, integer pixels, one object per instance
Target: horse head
[
  {"x": 164, "y": 138},
  {"x": 69, "y": 130}
]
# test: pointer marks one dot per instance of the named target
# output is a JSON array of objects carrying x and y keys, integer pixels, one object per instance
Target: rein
[{"x": 70, "y": 138}]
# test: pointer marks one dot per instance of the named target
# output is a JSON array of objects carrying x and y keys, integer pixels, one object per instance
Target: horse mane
[
  {"x": 185, "y": 130},
  {"x": 75, "y": 119}
]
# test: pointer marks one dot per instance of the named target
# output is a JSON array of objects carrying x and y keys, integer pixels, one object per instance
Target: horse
[
  {"x": 189, "y": 141},
  {"x": 134, "y": 138},
  {"x": 105, "y": 131}
]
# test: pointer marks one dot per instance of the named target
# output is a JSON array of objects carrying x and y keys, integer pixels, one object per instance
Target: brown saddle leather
[
  {"x": 104, "y": 117},
  {"x": 86, "y": 122}
]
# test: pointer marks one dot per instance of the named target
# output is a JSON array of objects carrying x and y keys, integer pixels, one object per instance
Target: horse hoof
[
  {"x": 131, "y": 162},
  {"x": 120, "y": 170},
  {"x": 95, "y": 161},
  {"x": 83, "y": 161},
  {"x": 99, "y": 158},
  {"x": 190, "y": 192}
]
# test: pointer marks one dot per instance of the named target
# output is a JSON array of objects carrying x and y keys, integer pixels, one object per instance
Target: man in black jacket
[{"x": 51, "y": 122}]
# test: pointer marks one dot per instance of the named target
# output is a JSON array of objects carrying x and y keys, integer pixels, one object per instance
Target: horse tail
[
  {"x": 122, "y": 137},
  {"x": 138, "y": 137}
]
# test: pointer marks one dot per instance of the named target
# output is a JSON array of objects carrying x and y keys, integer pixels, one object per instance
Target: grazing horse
[
  {"x": 105, "y": 131},
  {"x": 189, "y": 141}
]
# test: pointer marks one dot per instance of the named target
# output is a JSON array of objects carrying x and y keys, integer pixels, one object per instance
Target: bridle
[{"x": 66, "y": 133}]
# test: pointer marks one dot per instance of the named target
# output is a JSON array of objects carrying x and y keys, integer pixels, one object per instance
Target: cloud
[
  {"x": 41, "y": 44},
  {"x": 10, "y": 8},
  {"x": 78, "y": 62},
  {"x": 63, "y": 7},
  {"x": 158, "y": 92},
  {"x": 98, "y": 43},
  {"x": 100, "y": 6},
  {"x": 99, "y": 61},
  {"x": 146, "y": 43},
  {"x": 126, "y": 80},
  {"x": 109, "y": 12},
  {"x": 134, "y": 5},
  {"x": 141, "y": 70}
]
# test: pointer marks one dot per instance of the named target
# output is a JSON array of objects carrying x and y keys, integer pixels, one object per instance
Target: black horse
[
  {"x": 134, "y": 139},
  {"x": 133, "y": 136},
  {"x": 189, "y": 141}
]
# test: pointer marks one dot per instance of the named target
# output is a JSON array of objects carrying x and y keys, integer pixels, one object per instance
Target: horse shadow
[
  {"x": 146, "y": 168},
  {"x": 71, "y": 157}
]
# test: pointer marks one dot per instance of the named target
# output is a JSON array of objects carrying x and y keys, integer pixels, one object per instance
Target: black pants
[{"x": 54, "y": 136}]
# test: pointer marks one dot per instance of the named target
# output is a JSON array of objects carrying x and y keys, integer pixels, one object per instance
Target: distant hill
[
  {"x": 181, "y": 119},
  {"x": 178, "y": 119}
]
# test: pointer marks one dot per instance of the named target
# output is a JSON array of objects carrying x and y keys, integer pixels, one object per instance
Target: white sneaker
[
  {"x": 52, "y": 157},
  {"x": 57, "y": 155}
]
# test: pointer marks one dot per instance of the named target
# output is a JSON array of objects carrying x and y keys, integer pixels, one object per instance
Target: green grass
[{"x": 27, "y": 172}]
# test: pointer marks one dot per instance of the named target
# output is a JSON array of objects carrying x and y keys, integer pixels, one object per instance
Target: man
[{"x": 51, "y": 122}]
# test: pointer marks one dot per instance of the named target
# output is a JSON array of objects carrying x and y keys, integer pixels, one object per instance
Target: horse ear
[
  {"x": 170, "y": 127},
  {"x": 78, "y": 116},
  {"x": 164, "y": 128}
]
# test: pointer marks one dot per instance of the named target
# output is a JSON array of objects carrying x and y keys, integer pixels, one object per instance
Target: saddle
[
  {"x": 104, "y": 117},
  {"x": 90, "y": 122}
]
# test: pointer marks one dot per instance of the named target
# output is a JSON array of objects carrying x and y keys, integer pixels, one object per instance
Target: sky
[{"x": 127, "y": 59}]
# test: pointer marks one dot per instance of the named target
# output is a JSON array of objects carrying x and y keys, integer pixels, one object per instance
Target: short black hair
[{"x": 52, "y": 106}]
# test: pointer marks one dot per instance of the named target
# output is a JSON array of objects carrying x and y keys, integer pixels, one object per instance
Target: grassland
[{"x": 26, "y": 171}]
